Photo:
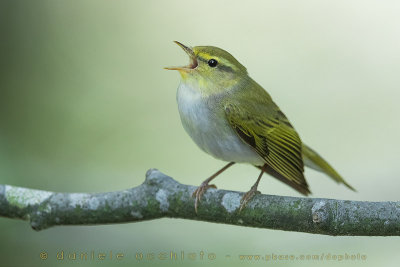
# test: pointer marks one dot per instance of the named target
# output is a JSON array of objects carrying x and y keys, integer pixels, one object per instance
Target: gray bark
[{"x": 161, "y": 196}]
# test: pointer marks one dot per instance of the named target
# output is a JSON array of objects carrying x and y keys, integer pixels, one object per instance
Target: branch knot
[{"x": 319, "y": 212}]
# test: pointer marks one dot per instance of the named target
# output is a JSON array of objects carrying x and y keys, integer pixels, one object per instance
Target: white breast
[{"x": 210, "y": 132}]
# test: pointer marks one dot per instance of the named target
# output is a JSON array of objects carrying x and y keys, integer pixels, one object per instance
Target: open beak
[{"x": 192, "y": 56}]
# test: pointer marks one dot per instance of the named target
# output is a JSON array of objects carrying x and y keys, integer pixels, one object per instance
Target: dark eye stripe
[
  {"x": 220, "y": 65},
  {"x": 202, "y": 59},
  {"x": 225, "y": 68}
]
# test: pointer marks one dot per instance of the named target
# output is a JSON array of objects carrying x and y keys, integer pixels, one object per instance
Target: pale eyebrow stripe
[
  {"x": 220, "y": 66},
  {"x": 202, "y": 59}
]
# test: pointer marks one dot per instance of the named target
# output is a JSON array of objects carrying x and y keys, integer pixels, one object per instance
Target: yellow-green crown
[{"x": 225, "y": 60}]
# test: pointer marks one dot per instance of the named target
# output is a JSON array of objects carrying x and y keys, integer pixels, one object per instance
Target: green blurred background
[{"x": 85, "y": 106}]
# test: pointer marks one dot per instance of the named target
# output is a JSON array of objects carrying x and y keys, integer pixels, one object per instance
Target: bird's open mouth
[{"x": 193, "y": 61}]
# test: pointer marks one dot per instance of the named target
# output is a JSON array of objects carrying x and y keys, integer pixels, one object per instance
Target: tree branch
[{"x": 161, "y": 196}]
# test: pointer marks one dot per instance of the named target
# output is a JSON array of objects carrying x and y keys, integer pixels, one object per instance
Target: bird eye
[{"x": 212, "y": 63}]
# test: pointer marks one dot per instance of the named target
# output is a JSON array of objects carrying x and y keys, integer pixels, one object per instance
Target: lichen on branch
[{"x": 161, "y": 196}]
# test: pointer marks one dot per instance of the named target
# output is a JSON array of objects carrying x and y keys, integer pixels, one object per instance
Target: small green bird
[{"x": 231, "y": 117}]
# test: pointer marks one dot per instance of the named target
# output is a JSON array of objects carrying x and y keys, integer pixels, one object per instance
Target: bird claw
[
  {"x": 199, "y": 192},
  {"x": 247, "y": 197}
]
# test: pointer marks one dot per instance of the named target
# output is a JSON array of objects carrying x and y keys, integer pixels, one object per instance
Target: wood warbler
[{"x": 231, "y": 117}]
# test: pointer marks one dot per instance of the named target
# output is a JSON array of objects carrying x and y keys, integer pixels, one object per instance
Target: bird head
[{"x": 211, "y": 69}]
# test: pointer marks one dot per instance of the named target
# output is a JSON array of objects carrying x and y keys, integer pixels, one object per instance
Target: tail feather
[
  {"x": 316, "y": 162},
  {"x": 301, "y": 188}
]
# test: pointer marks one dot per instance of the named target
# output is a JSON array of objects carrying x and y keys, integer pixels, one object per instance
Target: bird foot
[
  {"x": 198, "y": 193},
  {"x": 247, "y": 197}
]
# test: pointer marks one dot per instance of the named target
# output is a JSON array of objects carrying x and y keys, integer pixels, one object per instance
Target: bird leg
[
  {"x": 253, "y": 191},
  {"x": 198, "y": 193}
]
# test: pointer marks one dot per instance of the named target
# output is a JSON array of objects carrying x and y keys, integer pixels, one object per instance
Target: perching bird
[{"x": 231, "y": 117}]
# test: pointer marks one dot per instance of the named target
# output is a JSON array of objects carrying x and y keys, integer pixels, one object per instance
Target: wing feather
[{"x": 272, "y": 137}]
